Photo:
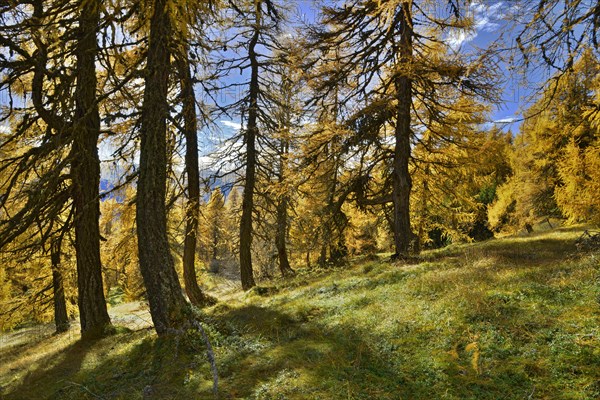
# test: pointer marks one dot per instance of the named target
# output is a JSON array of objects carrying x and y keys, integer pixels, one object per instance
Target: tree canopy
[{"x": 147, "y": 141}]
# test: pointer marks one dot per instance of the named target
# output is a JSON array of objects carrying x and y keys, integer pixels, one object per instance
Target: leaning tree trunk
[
  {"x": 192, "y": 209},
  {"x": 61, "y": 318},
  {"x": 247, "y": 275},
  {"x": 168, "y": 307},
  {"x": 85, "y": 169},
  {"x": 401, "y": 179}
]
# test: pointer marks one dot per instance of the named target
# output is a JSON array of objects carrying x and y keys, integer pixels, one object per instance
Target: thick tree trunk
[
  {"x": 61, "y": 318},
  {"x": 85, "y": 169},
  {"x": 401, "y": 179},
  {"x": 168, "y": 307},
  {"x": 192, "y": 209},
  {"x": 247, "y": 275}
]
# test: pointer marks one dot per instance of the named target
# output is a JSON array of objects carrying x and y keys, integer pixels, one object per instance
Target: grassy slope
[{"x": 512, "y": 318}]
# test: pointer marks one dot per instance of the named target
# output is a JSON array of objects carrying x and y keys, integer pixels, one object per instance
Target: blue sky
[
  {"x": 493, "y": 22},
  {"x": 490, "y": 24}
]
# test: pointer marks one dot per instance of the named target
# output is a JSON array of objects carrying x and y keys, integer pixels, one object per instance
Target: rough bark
[
  {"x": 401, "y": 179},
  {"x": 251, "y": 132},
  {"x": 168, "y": 307},
  {"x": 192, "y": 209},
  {"x": 85, "y": 169},
  {"x": 61, "y": 318}
]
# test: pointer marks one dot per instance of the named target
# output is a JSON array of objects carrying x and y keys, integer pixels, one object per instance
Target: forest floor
[{"x": 512, "y": 318}]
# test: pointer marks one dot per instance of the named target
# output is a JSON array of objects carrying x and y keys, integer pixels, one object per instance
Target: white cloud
[
  {"x": 486, "y": 18},
  {"x": 486, "y": 15},
  {"x": 231, "y": 124},
  {"x": 485, "y": 24},
  {"x": 507, "y": 120},
  {"x": 457, "y": 37},
  {"x": 4, "y": 129}
]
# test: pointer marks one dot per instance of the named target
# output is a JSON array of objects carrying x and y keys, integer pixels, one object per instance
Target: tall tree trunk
[
  {"x": 328, "y": 223},
  {"x": 85, "y": 169},
  {"x": 61, "y": 318},
  {"x": 401, "y": 180},
  {"x": 247, "y": 275},
  {"x": 215, "y": 242},
  {"x": 281, "y": 233},
  {"x": 424, "y": 211},
  {"x": 280, "y": 239},
  {"x": 192, "y": 209},
  {"x": 168, "y": 307}
]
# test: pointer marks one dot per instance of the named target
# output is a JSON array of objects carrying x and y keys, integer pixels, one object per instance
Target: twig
[
  {"x": 531, "y": 394},
  {"x": 85, "y": 388},
  {"x": 211, "y": 358}
]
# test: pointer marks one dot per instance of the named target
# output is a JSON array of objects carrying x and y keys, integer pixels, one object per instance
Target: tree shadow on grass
[
  {"x": 261, "y": 348},
  {"x": 269, "y": 354},
  {"x": 301, "y": 360},
  {"x": 133, "y": 365},
  {"x": 48, "y": 372},
  {"x": 305, "y": 353},
  {"x": 94, "y": 369},
  {"x": 281, "y": 352},
  {"x": 15, "y": 343}
]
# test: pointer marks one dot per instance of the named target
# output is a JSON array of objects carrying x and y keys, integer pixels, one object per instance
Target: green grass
[{"x": 516, "y": 318}]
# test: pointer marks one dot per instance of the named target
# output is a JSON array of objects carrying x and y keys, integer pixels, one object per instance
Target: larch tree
[
  {"x": 85, "y": 169},
  {"x": 250, "y": 136},
  {"x": 29, "y": 255},
  {"x": 555, "y": 32},
  {"x": 279, "y": 143},
  {"x": 168, "y": 307},
  {"x": 214, "y": 238},
  {"x": 454, "y": 179},
  {"x": 61, "y": 71},
  {"x": 256, "y": 26},
  {"x": 395, "y": 72},
  {"x": 192, "y": 210},
  {"x": 194, "y": 15},
  {"x": 61, "y": 318},
  {"x": 323, "y": 162},
  {"x": 553, "y": 156}
]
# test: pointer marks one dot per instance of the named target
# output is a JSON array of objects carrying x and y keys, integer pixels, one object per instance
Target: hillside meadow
[{"x": 512, "y": 318}]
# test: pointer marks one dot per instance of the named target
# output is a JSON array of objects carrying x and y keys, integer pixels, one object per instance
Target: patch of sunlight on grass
[{"x": 38, "y": 348}]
